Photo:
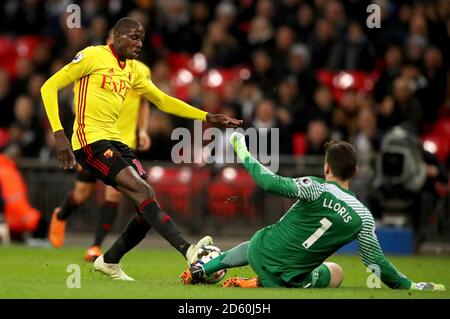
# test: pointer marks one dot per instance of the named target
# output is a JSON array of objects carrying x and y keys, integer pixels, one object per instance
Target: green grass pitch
[{"x": 42, "y": 273}]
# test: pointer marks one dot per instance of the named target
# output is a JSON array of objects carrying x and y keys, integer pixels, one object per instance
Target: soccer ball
[{"x": 204, "y": 255}]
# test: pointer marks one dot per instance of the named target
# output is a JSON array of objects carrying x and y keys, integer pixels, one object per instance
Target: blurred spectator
[
  {"x": 345, "y": 118},
  {"x": 299, "y": 66},
  {"x": 358, "y": 53},
  {"x": 436, "y": 76},
  {"x": 401, "y": 108},
  {"x": 42, "y": 57},
  {"x": 161, "y": 76},
  {"x": 248, "y": 99},
  {"x": 393, "y": 59},
  {"x": 265, "y": 9},
  {"x": 160, "y": 130},
  {"x": 26, "y": 135},
  {"x": 98, "y": 30},
  {"x": 263, "y": 72},
  {"x": 230, "y": 99},
  {"x": 284, "y": 39},
  {"x": 323, "y": 105},
  {"x": 24, "y": 70},
  {"x": 366, "y": 139},
  {"x": 291, "y": 105},
  {"x": 23, "y": 220},
  {"x": 265, "y": 119},
  {"x": 175, "y": 26},
  {"x": 7, "y": 98},
  {"x": 219, "y": 47},
  {"x": 305, "y": 22},
  {"x": 317, "y": 135},
  {"x": 323, "y": 45},
  {"x": 334, "y": 12},
  {"x": 29, "y": 17},
  {"x": 286, "y": 12},
  {"x": 225, "y": 15},
  {"x": 195, "y": 93},
  {"x": 260, "y": 35},
  {"x": 198, "y": 25}
]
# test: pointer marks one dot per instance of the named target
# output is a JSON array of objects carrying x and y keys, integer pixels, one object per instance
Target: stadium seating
[
  {"x": 344, "y": 80},
  {"x": 26, "y": 46},
  {"x": 8, "y": 55},
  {"x": 299, "y": 143},
  {"x": 229, "y": 195},
  {"x": 176, "y": 188},
  {"x": 4, "y": 136},
  {"x": 437, "y": 144}
]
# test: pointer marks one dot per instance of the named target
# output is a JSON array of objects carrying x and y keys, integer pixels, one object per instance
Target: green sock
[{"x": 235, "y": 257}]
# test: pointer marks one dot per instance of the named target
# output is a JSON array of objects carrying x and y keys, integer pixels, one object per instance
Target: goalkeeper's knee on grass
[{"x": 336, "y": 274}]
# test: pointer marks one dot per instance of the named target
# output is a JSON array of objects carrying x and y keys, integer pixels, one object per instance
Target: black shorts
[
  {"x": 105, "y": 159},
  {"x": 86, "y": 176}
]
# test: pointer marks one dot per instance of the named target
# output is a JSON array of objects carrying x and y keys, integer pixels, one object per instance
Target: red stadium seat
[
  {"x": 26, "y": 46},
  {"x": 4, "y": 136},
  {"x": 160, "y": 179},
  {"x": 6, "y": 45},
  {"x": 222, "y": 199},
  {"x": 442, "y": 127},
  {"x": 246, "y": 188},
  {"x": 325, "y": 77},
  {"x": 8, "y": 55},
  {"x": 185, "y": 186},
  {"x": 176, "y": 188},
  {"x": 299, "y": 143},
  {"x": 178, "y": 61},
  {"x": 438, "y": 145},
  {"x": 231, "y": 194}
]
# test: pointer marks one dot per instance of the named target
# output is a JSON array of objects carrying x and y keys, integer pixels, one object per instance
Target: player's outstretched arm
[
  {"x": 166, "y": 103},
  {"x": 372, "y": 256},
  {"x": 283, "y": 186}
]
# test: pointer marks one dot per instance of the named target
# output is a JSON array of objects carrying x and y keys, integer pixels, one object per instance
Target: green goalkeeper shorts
[{"x": 318, "y": 278}]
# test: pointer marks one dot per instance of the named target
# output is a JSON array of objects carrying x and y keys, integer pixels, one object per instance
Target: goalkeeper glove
[
  {"x": 237, "y": 140},
  {"x": 427, "y": 286}
]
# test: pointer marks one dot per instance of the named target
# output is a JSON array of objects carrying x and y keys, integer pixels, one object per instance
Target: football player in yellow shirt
[
  {"x": 103, "y": 77},
  {"x": 132, "y": 125}
]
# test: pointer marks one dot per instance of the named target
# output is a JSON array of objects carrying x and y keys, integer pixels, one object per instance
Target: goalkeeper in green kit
[{"x": 325, "y": 217}]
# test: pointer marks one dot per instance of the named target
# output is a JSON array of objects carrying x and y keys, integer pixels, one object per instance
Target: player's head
[
  {"x": 128, "y": 36},
  {"x": 340, "y": 160}
]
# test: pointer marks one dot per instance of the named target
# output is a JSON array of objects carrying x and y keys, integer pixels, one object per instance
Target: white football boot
[
  {"x": 191, "y": 254},
  {"x": 112, "y": 270}
]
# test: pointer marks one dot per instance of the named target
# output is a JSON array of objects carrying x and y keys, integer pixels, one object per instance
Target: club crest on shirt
[
  {"x": 78, "y": 57},
  {"x": 305, "y": 181},
  {"x": 108, "y": 153}
]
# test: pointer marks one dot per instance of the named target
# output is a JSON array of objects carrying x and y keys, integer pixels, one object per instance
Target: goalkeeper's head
[{"x": 340, "y": 161}]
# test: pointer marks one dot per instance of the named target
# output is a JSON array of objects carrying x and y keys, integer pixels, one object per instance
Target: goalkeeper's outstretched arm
[
  {"x": 270, "y": 182},
  {"x": 373, "y": 257}
]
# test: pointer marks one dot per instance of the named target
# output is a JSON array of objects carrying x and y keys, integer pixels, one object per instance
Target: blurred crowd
[{"x": 311, "y": 68}]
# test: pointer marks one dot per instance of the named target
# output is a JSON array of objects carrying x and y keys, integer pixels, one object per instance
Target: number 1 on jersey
[{"x": 318, "y": 233}]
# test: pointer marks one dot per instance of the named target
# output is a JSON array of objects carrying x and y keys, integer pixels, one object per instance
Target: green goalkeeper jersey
[{"x": 324, "y": 218}]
